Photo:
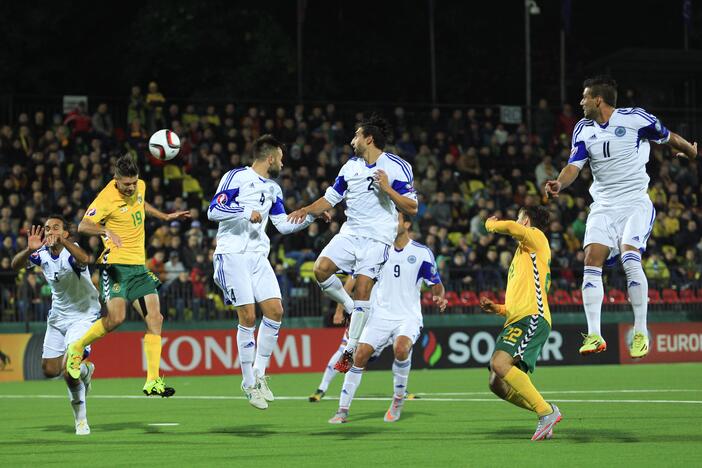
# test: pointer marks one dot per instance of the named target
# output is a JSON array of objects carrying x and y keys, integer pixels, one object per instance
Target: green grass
[{"x": 292, "y": 432}]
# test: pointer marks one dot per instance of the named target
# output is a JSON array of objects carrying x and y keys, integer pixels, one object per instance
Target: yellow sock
[
  {"x": 95, "y": 332},
  {"x": 521, "y": 383},
  {"x": 514, "y": 398},
  {"x": 152, "y": 349}
]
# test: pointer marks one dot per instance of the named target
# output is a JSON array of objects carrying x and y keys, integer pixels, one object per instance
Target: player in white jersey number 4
[
  {"x": 396, "y": 315},
  {"x": 615, "y": 141},
  {"x": 74, "y": 305},
  {"x": 244, "y": 201},
  {"x": 375, "y": 186}
]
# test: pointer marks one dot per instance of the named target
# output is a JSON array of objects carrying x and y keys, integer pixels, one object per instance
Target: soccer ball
[{"x": 164, "y": 145}]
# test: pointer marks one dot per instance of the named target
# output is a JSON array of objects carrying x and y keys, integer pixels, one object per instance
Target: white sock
[
  {"x": 352, "y": 380},
  {"x": 358, "y": 321},
  {"x": 83, "y": 370},
  {"x": 400, "y": 375},
  {"x": 76, "y": 395},
  {"x": 246, "y": 344},
  {"x": 329, "y": 372},
  {"x": 267, "y": 338},
  {"x": 593, "y": 294},
  {"x": 334, "y": 289},
  {"x": 637, "y": 285}
]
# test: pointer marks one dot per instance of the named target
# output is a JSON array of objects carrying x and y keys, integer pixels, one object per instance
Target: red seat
[
  {"x": 427, "y": 299},
  {"x": 452, "y": 299},
  {"x": 489, "y": 294},
  {"x": 687, "y": 296},
  {"x": 654, "y": 297},
  {"x": 616, "y": 296},
  {"x": 469, "y": 299},
  {"x": 577, "y": 296},
  {"x": 561, "y": 297},
  {"x": 501, "y": 296},
  {"x": 670, "y": 296}
]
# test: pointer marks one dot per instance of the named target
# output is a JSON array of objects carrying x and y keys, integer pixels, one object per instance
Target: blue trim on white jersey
[
  {"x": 578, "y": 128},
  {"x": 579, "y": 152},
  {"x": 402, "y": 187},
  {"x": 233, "y": 172},
  {"x": 406, "y": 168},
  {"x": 278, "y": 207},
  {"x": 340, "y": 185}
]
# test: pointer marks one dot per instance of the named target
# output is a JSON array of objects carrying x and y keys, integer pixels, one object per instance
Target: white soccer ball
[{"x": 164, "y": 145}]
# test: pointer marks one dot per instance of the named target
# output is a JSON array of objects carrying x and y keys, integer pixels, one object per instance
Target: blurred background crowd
[{"x": 468, "y": 165}]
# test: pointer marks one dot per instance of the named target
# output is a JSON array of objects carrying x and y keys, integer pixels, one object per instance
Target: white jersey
[
  {"x": 242, "y": 191},
  {"x": 617, "y": 152},
  {"x": 369, "y": 211},
  {"x": 73, "y": 295},
  {"x": 398, "y": 292}
]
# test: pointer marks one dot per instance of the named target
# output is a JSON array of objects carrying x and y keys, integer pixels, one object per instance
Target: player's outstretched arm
[
  {"x": 488, "y": 306},
  {"x": 565, "y": 178},
  {"x": 682, "y": 147},
  {"x": 511, "y": 228},
  {"x": 79, "y": 255},
  {"x": 166, "y": 217},
  {"x": 89, "y": 228},
  {"x": 34, "y": 242},
  {"x": 316, "y": 209},
  {"x": 405, "y": 204},
  {"x": 438, "y": 296}
]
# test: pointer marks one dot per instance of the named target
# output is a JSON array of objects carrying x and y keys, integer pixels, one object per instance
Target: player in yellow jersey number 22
[{"x": 117, "y": 215}]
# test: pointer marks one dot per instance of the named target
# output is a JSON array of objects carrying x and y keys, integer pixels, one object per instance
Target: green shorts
[
  {"x": 524, "y": 339},
  {"x": 129, "y": 282}
]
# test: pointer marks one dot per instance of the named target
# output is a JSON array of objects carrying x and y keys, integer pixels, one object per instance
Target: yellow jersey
[
  {"x": 125, "y": 217},
  {"x": 529, "y": 277}
]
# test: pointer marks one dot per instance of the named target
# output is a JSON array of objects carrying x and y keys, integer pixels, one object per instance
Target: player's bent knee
[
  {"x": 247, "y": 315},
  {"x": 323, "y": 269},
  {"x": 51, "y": 369},
  {"x": 501, "y": 363}
]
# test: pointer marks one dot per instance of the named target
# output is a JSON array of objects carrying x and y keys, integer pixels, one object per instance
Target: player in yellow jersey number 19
[{"x": 117, "y": 215}]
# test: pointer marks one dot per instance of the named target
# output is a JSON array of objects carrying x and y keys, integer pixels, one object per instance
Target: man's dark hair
[
  {"x": 263, "y": 146},
  {"x": 63, "y": 220},
  {"x": 603, "y": 86},
  {"x": 126, "y": 167},
  {"x": 538, "y": 216},
  {"x": 376, "y": 127},
  {"x": 407, "y": 218}
]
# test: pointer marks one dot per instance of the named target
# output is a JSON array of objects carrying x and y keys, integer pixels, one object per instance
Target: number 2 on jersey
[{"x": 370, "y": 182}]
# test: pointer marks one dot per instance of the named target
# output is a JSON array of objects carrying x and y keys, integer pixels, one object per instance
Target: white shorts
[
  {"x": 357, "y": 255},
  {"x": 60, "y": 334},
  {"x": 630, "y": 224},
  {"x": 245, "y": 278},
  {"x": 380, "y": 333}
]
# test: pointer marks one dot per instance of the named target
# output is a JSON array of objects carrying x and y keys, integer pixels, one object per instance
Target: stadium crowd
[{"x": 468, "y": 165}]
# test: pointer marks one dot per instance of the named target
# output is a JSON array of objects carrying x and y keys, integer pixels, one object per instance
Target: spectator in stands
[
  {"x": 78, "y": 120},
  {"x": 155, "y": 102},
  {"x": 656, "y": 270},
  {"x": 102, "y": 123}
]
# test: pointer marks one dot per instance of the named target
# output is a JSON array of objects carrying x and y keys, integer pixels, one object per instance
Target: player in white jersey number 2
[
  {"x": 74, "y": 305},
  {"x": 375, "y": 186},
  {"x": 244, "y": 201},
  {"x": 396, "y": 315},
  {"x": 615, "y": 141}
]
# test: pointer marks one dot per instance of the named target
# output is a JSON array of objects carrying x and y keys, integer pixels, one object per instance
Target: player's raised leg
[
  {"x": 400, "y": 371},
  {"x": 272, "y": 310},
  {"x": 246, "y": 344},
  {"x": 593, "y": 295},
  {"x": 325, "y": 273},
  {"x": 352, "y": 380},
  {"x": 637, "y": 285},
  {"x": 155, "y": 384}
]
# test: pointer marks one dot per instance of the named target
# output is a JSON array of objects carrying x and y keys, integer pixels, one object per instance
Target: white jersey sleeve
[
  {"x": 224, "y": 204},
  {"x": 279, "y": 217},
  {"x": 649, "y": 127},
  {"x": 337, "y": 192},
  {"x": 578, "y": 149},
  {"x": 401, "y": 177}
]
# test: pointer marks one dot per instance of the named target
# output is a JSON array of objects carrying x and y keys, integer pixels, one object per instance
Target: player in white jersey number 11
[
  {"x": 375, "y": 185},
  {"x": 74, "y": 305},
  {"x": 616, "y": 144}
]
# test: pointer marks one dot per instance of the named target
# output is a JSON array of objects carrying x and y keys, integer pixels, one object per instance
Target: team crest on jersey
[
  {"x": 140, "y": 199},
  {"x": 123, "y": 209},
  {"x": 35, "y": 255},
  {"x": 412, "y": 259},
  {"x": 116, "y": 288},
  {"x": 91, "y": 212},
  {"x": 620, "y": 131}
]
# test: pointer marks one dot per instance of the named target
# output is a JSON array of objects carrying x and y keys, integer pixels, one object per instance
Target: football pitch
[{"x": 644, "y": 415}]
